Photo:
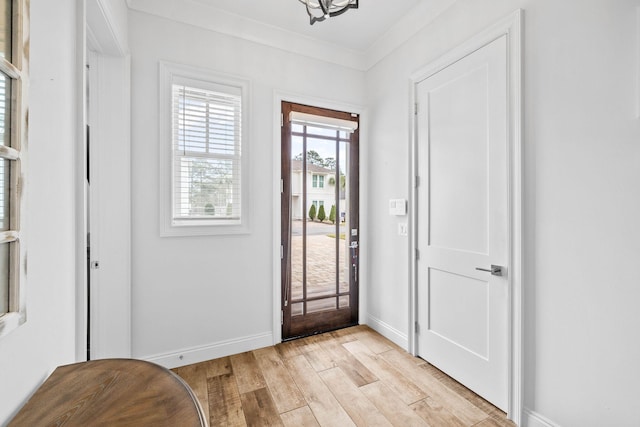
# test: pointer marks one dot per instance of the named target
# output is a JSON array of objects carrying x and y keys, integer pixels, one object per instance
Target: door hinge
[
  {"x": 417, "y": 181},
  {"x": 417, "y": 327},
  {"x": 282, "y": 186},
  {"x": 281, "y": 251},
  {"x": 417, "y": 254},
  {"x": 282, "y": 317},
  {"x": 415, "y": 109},
  {"x": 281, "y": 119}
]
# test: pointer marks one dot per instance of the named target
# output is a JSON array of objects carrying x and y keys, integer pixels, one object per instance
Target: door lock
[{"x": 495, "y": 270}]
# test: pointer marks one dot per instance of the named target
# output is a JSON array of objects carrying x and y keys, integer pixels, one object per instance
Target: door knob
[{"x": 495, "y": 270}]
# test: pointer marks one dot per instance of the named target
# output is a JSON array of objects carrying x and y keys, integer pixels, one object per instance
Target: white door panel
[
  {"x": 458, "y": 176},
  {"x": 462, "y": 322},
  {"x": 463, "y": 220}
]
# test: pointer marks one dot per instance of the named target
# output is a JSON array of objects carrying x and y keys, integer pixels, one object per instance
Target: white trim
[
  {"x": 11, "y": 321},
  {"x": 321, "y": 121},
  {"x": 209, "y": 17},
  {"x": 408, "y": 26},
  {"x": 190, "y": 355},
  {"x": 103, "y": 33},
  {"x": 511, "y": 26},
  {"x": 533, "y": 419},
  {"x": 388, "y": 331},
  {"x": 168, "y": 227},
  {"x": 80, "y": 172},
  {"x": 278, "y": 98},
  {"x": 93, "y": 43},
  {"x": 204, "y": 15},
  {"x": 638, "y": 62}
]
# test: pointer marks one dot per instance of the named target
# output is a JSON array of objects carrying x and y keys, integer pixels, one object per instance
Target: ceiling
[
  {"x": 357, "y": 39},
  {"x": 356, "y": 29}
]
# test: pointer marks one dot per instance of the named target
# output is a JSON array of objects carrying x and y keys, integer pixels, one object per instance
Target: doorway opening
[{"x": 320, "y": 220}]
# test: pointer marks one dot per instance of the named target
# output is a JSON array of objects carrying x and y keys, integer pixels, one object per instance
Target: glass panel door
[{"x": 319, "y": 224}]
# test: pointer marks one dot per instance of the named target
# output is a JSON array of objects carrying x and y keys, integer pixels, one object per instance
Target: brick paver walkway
[{"x": 321, "y": 270}]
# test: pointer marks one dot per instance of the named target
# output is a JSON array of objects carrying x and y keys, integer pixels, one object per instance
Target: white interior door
[
  {"x": 463, "y": 221},
  {"x": 109, "y": 208},
  {"x": 104, "y": 302}
]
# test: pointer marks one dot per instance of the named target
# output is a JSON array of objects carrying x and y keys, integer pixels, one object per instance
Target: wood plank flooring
[{"x": 350, "y": 377}]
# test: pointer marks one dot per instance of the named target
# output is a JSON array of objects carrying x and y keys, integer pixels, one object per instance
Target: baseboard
[
  {"x": 388, "y": 331},
  {"x": 533, "y": 419},
  {"x": 199, "y": 354}
]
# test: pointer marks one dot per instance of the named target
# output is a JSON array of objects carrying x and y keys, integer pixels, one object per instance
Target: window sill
[
  {"x": 185, "y": 230},
  {"x": 11, "y": 321}
]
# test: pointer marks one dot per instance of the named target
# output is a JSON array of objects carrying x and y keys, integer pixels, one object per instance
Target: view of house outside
[{"x": 325, "y": 218}]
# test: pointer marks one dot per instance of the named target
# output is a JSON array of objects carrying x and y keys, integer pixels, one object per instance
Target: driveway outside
[{"x": 321, "y": 266}]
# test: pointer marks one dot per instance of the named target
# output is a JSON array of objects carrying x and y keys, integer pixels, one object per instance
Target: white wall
[
  {"x": 582, "y": 168},
  {"x": 30, "y": 353},
  {"x": 202, "y": 297},
  {"x": 582, "y": 153}
]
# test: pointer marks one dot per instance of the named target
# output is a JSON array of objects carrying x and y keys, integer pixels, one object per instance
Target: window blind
[
  {"x": 206, "y": 153},
  {"x": 323, "y": 122}
]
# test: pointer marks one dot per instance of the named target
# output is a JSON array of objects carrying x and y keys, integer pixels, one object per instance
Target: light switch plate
[{"x": 402, "y": 229}]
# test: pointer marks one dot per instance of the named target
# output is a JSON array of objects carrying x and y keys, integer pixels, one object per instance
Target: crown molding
[
  {"x": 418, "y": 18},
  {"x": 214, "y": 19},
  {"x": 104, "y": 31},
  {"x": 193, "y": 12}
]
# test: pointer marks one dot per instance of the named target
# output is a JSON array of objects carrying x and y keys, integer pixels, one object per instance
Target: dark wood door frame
[{"x": 322, "y": 321}]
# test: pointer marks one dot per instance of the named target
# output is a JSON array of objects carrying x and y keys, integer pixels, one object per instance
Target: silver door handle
[{"x": 496, "y": 270}]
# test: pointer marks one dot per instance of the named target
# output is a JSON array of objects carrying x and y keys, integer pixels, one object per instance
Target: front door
[
  {"x": 463, "y": 221},
  {"x": 319, "y": 220}
]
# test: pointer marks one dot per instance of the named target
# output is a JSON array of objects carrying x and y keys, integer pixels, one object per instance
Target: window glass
[
  {"x": 206, "y": 133},
  {"x": 321, "y": 131},
  {"x": 13, "y": 133},
  {"x": 4, "y": 278},
  {"x": 205, "y": 188},
  {"x": 5, "y": 110},
  {"x": 5, "y": 29},
  {"x": 5, "y": 174}
]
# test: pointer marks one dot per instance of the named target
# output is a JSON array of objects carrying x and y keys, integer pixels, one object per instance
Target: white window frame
[
  {"x": 317, "y": 180},
  {"x": 171, "y": 73},
  {"x": 18, "y": 71}
]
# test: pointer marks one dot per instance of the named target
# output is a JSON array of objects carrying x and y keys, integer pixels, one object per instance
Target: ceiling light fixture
[{"x": 319, "y": 10}]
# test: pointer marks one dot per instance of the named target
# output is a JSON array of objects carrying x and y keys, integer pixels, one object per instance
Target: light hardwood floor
[{"x": 349, "y": 377}]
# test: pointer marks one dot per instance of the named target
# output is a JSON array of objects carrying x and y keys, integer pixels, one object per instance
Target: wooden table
[{"x": 112, "y": 392}]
